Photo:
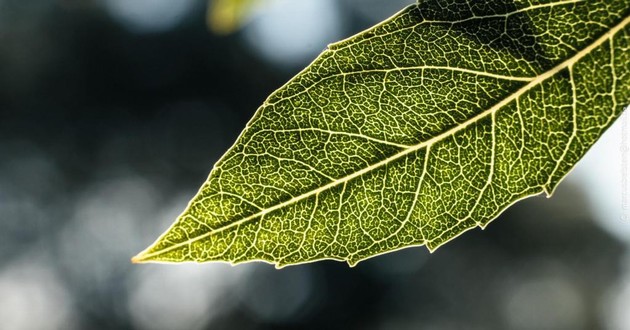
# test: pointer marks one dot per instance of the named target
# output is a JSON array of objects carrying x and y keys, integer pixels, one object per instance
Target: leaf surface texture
[{"x": 412, "y": 132}]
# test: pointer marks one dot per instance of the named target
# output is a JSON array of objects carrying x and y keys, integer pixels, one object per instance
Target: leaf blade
[{"x": 327, "y": 219}]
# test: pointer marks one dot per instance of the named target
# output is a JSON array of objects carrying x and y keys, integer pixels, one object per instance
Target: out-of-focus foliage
[{"x": 226, "y": 16}]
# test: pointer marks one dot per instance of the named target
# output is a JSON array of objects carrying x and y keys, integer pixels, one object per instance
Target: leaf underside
[{"x": 412, "y": 132}]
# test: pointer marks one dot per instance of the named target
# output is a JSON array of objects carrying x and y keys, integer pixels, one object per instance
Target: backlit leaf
[{"x": 413, "y": 132}]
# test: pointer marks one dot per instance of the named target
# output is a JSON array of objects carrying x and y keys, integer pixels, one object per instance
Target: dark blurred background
[{"x": 113, "y": 112}]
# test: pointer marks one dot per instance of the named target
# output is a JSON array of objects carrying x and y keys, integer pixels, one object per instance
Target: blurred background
[{"x": 113, "y": 112}]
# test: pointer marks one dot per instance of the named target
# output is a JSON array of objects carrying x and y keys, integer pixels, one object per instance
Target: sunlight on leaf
[{"x": 430, "y": 124}]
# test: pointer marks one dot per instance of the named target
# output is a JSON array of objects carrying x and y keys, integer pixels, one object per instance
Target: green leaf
[{"x": 412, "y": 132}]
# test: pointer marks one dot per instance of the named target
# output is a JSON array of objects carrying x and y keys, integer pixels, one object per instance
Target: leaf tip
[{"x": 140, "y": 258}]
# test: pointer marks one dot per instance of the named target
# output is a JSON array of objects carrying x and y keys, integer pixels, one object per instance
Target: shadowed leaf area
[{"x": 412, "y": 132}]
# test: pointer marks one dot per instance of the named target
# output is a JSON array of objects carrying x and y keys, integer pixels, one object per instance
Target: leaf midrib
[{"x": 533, "y": 83}]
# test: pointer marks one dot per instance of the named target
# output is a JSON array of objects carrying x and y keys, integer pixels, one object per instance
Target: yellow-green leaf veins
[{"x": 412, "y": 132}]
